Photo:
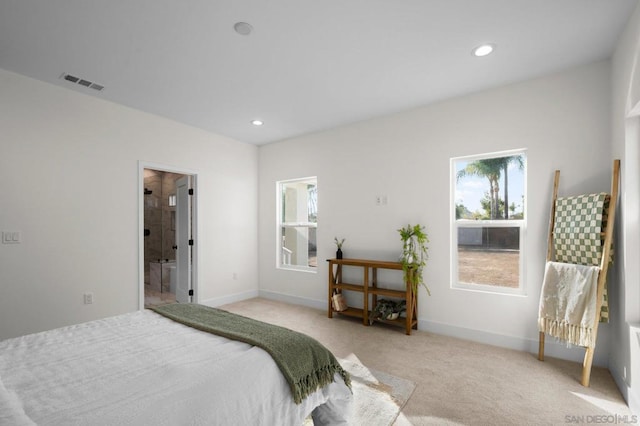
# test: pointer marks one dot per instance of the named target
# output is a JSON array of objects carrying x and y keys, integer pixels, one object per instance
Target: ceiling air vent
[{"x": 82, "y": 82}]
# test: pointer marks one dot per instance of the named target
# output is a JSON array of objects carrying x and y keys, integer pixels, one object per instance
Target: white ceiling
[{"x": 307, "y": 65}]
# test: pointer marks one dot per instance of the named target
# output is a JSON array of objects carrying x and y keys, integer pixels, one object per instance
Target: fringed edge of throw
[
  {"x": 318, "y": 379},
  {"x": 571, "y": 333}
]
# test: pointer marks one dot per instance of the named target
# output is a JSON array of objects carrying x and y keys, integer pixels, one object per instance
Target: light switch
[
  {"x": 11, "y": 237},
  {"x": 381, "y": 200}
]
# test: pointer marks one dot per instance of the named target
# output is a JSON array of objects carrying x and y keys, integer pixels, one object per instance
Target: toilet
[{"x": 163, "y": 272}]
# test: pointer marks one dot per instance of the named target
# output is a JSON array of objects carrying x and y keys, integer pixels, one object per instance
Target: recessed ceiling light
[
  {"x": 243, "y": 28},
  {"x": 483, "y": 50},
  {"x": 257, "y": 122}
]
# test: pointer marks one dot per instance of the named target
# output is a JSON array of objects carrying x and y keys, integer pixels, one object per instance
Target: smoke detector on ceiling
[
  {"x": 82, "y": 82},
  {"x": 243, "y": 28}
]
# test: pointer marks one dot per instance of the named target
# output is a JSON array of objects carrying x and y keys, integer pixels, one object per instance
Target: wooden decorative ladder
[{"x": 603, "y": 266}]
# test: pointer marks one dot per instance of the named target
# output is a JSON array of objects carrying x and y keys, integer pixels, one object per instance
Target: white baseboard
[
  {"x": 296, "y": 300},
  {"x": 632, "y": 397},
  {"x": 633, "y": 400},
  {"x": 552, "y": 348},
  {"x": 238, "y": 297},
  {"x": 633, "y": 393},
  {"x": 281, "y": 297}
]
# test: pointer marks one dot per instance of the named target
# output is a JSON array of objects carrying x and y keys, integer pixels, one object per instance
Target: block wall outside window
[{"x": 488, "y": 222}]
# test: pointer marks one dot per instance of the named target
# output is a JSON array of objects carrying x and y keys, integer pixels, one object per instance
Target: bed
[{"x": 144, "y": 368}]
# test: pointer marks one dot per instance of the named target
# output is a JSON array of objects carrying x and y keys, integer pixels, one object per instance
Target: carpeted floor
[{"x": 458, "y": 382}]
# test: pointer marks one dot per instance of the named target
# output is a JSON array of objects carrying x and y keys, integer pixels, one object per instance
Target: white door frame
[
  {"x": 194, "y": 223},
  {"x": 183, "y": 236}
]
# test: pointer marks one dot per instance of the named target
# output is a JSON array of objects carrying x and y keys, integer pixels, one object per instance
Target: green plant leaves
[{"x": 414, "y": 255}]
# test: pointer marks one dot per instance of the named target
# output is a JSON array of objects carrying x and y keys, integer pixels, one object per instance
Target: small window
[
  {"x": 488, "y": 221},
  {"x": 297, "y": 224}
]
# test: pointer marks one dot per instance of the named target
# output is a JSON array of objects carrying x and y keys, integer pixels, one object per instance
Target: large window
[
  {"x": 297, "y": 224},
  {"x": 488, "y": 221}
]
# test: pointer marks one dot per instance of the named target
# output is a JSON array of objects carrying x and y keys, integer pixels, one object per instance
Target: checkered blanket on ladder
[{"x": 579, "y": 233}]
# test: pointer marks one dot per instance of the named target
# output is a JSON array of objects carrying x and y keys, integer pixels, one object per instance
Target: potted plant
[
  {"x": 339, "y": 245},
  {"x": 414, "y": 255},
  {"x": 388, "y": 309}
]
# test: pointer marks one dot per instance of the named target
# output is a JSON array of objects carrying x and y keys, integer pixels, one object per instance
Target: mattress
[{"x": 144, "y": 369}]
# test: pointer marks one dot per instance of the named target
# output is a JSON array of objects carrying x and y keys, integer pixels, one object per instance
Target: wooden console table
[{"x": 369, "y": 286}]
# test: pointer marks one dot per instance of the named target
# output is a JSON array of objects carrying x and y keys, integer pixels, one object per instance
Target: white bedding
[{"x": 144, "y": 369}]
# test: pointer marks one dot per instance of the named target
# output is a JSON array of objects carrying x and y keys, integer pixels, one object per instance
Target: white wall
[
  {"x": 69, "y": 183},
  {"x": 624, "y": 360},
  {"x": 563, "y": 121}
]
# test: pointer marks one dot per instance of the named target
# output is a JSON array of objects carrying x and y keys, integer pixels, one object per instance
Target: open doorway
[{"x": 167, "y": 267}]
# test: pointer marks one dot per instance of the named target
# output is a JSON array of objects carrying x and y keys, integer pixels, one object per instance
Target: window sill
[
  {"x": 484, "y": 288},
  {"x": 307, "y": 269}
]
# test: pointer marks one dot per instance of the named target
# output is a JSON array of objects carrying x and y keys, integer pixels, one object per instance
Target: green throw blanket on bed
[{"x": 305, "y": 363}]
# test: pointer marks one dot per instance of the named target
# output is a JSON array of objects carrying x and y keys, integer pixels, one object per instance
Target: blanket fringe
[
  {"x": 318, "y": 379},
  {"x": 571, "y": 333}
]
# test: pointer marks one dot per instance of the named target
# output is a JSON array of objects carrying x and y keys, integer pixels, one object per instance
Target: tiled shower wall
[{"x": 159, "y": 218}]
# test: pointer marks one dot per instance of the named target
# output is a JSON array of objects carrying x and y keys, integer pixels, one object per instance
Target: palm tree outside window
[{"x": 488, "y": 221}]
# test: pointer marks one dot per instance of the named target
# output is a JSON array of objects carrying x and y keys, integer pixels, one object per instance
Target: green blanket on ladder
[
  {"x": 578, "y": 234},
  {"x": 304, "y": 362}
]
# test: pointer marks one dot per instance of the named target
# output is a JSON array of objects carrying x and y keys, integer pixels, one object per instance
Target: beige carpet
[{"x": 457, "y": 382}]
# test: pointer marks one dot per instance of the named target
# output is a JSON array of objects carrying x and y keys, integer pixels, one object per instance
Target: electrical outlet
[{"x": 88, "y": 298}]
